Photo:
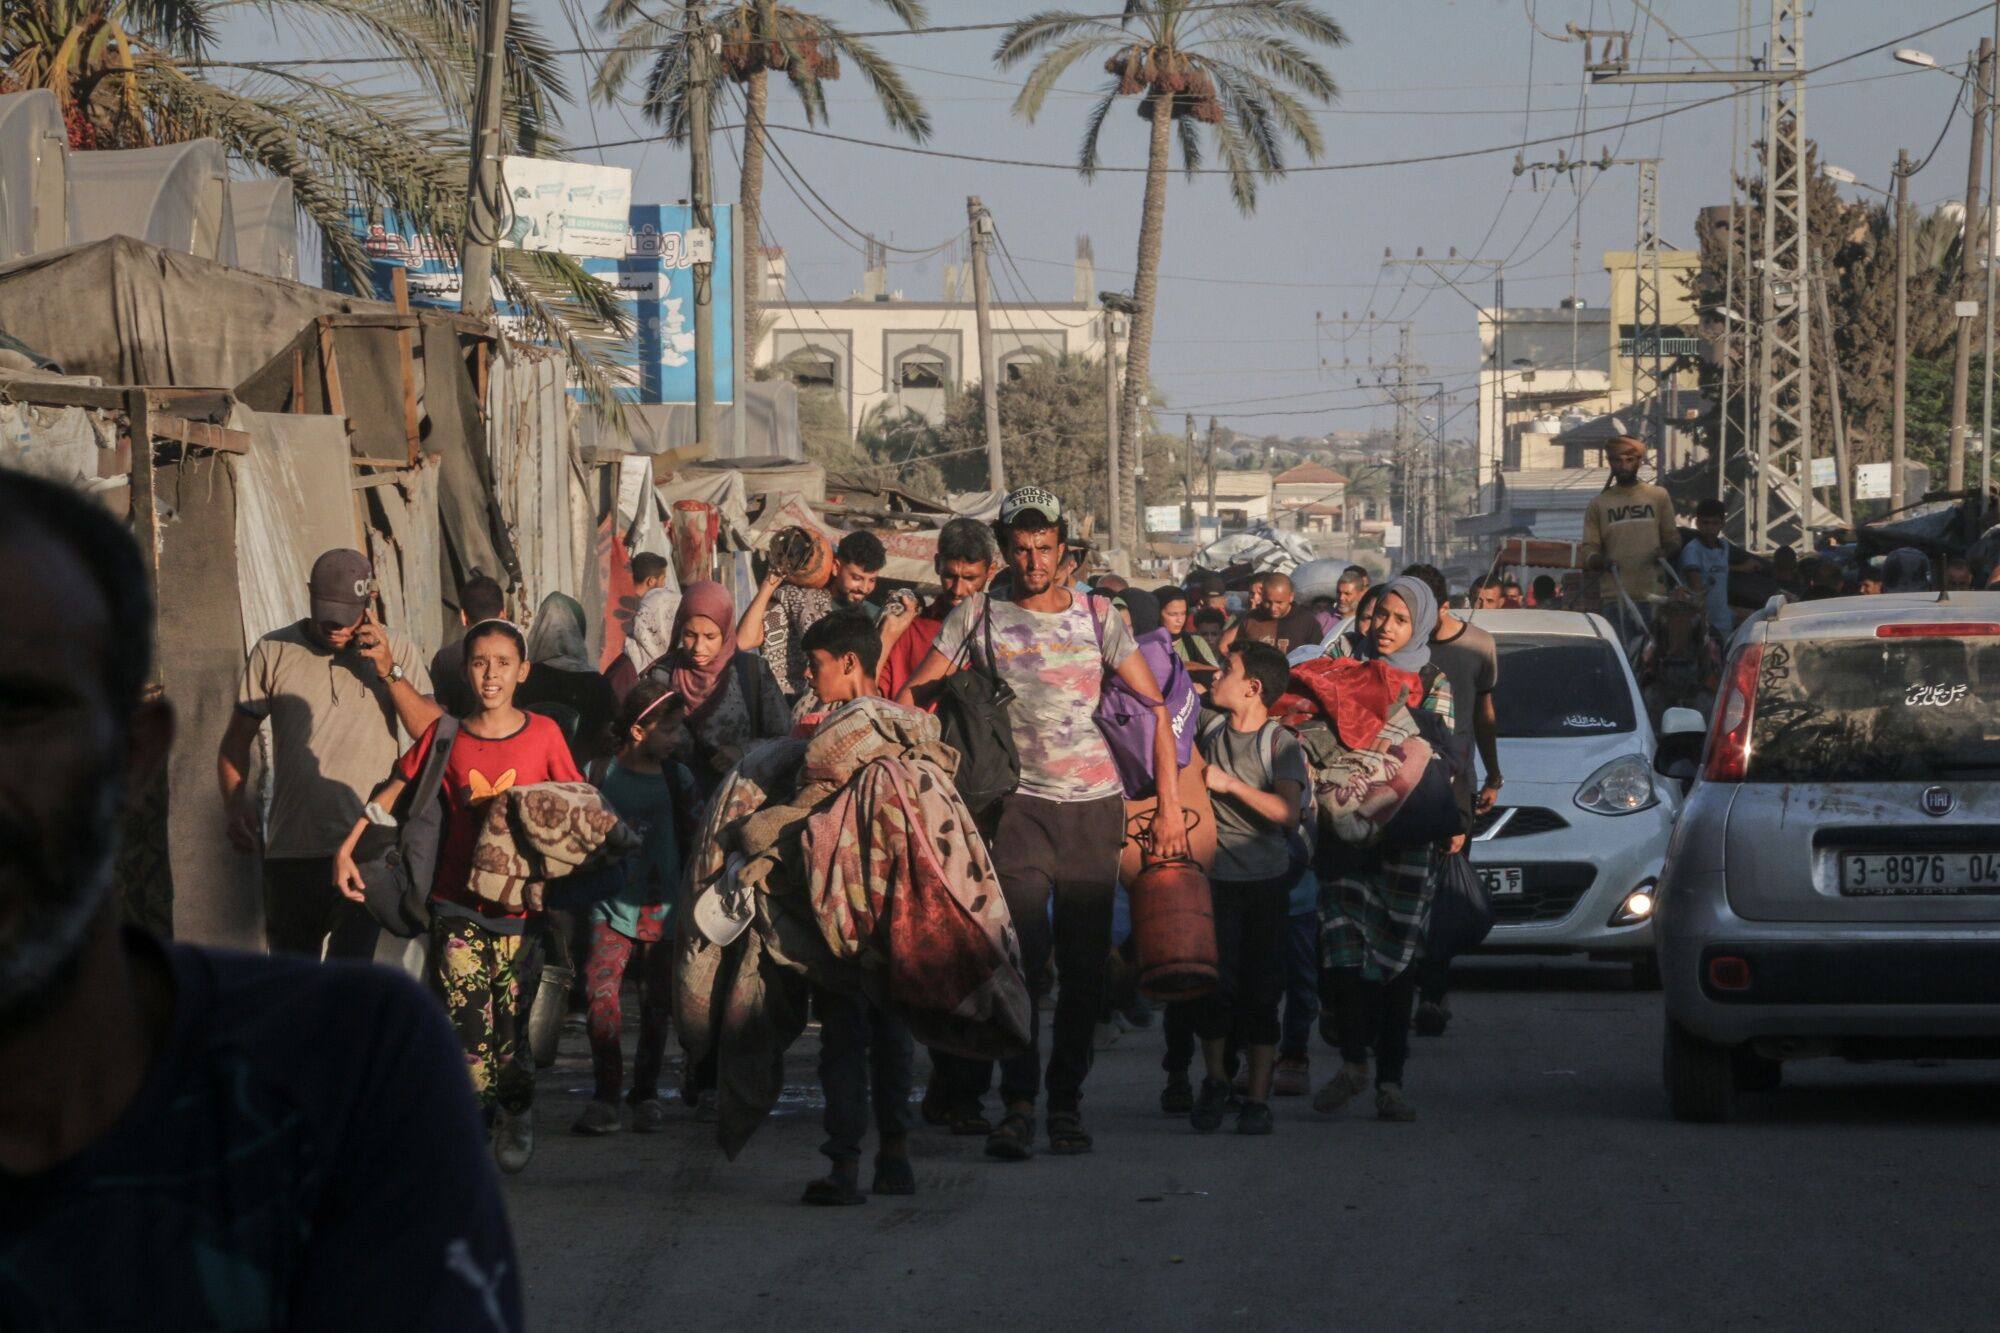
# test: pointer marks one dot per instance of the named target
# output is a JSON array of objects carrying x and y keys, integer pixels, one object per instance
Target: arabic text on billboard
[{"x": 656, "y": 274}]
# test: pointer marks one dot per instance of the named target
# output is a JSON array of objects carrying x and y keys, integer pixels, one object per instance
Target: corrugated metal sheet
[{"x": 530, "y": 438}]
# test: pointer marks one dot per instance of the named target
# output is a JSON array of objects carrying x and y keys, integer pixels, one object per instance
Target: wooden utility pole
[
  {"x": 1843, "y": 473},
  {"x": 486, "y": 208},
  {"x": 701, "y": 193},
  {"x": 989, "y": 360},
  {"x": 1211, "y": 470},
  {"x": 1897, "y": 451},
  {"x": 1978, "y": 240},
  {"x": 1187, "y": 472},
  {"x": 1111, "y": 423}
]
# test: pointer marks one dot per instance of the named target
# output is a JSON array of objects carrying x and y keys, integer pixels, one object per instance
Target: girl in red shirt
[{"x": 475, "y": 945}]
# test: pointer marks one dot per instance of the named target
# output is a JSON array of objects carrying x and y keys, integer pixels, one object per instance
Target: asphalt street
[{"x": 1542, "y": 1187}]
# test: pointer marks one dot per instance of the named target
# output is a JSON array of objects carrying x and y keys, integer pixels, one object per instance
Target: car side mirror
[{"x": 1681, "y": 721}]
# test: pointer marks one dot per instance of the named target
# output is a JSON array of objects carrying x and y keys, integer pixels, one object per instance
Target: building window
[
  {"x": 921, "y": 372},
  {"x": 816, "y": 372}
]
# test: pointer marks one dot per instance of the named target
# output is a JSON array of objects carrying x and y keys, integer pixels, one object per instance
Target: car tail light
[
  {"x": 1727, "y": 972},
  {"x": 1729, "y": 735},
  {"x": 1945, "y": 629}
]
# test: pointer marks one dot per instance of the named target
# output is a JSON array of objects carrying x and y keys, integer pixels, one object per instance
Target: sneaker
[
  {"x": 649, "y": 1116},
  {"x": 1210, "y": 1106},
  {"x": 598, "y": 1119},
  {"x": 514, "y": 1139},
  {"x": 1177, "y": 1098},
  {"x": 1430, "y": 1019},
  {"x": 1342, "y": 1088},
  {"x": 1390, "y": 1104},
  {"x": 1293, "y": 1076},
  {"x": 1255, "y": 1118}
]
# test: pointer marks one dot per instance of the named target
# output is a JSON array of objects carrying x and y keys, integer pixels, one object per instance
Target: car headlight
[{"x": 1622, "y": 787}]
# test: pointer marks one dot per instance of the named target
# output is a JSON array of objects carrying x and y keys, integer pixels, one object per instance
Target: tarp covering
[
  {"x": 770, "y": 476},
  {"x": 292, "y": 504},
  {"x": 531, "y": 439},
  {"x": 34, "y": 184},
  {"x": 403, "y": 546},
  {"x": 215, "y": 887},
  {"x": 133, "y": 313},
  {"x": 60, "y": 443},
  {"x": 175, "y": 196},
  {"x": 267, "y": 227},
  {"x": 771, "y": 429},
  {"x": 724, "y": 489}
]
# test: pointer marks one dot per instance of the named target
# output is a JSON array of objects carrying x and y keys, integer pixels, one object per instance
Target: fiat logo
[{"x": 1939, "y": 802}]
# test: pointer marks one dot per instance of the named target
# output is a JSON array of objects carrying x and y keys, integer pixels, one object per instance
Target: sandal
[
  {"x": 832, "y": 1192},
  {"x": 1013, "y": 1139},
  {"x": 1066, "y": 1134}
]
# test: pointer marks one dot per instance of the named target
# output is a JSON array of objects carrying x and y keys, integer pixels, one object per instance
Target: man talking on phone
[{"x": 343, "y": 696}]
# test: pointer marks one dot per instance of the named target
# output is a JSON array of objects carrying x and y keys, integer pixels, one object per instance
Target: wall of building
[{"x": 917, "y": 355}]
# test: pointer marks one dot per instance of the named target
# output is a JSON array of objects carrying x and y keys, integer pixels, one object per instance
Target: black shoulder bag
[
  {"x": 397, "y": 864},
  {"x": 973, "y": 712}
]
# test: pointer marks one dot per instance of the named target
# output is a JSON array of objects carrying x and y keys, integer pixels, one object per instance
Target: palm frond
[
  {"x": 1282, "y": 60},
  {"x": 900, "y": 104},
  {"x": 1093, "y": 126},
  {"x": 1048, "y": 71},
  {"x": 1298, "y": 18},
  {"x": 1190, "y": 135},
  {"x": 185, "y": 28},
  {"x": 1041, "y": 31},
  {"x": 562, "y": 304}
]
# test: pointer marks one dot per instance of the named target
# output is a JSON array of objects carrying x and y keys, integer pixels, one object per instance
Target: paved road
[{"x": 1541, "y": 1188}]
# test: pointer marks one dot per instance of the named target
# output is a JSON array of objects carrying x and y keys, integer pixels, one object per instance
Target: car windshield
[
  {"x": 1877, "y": 710},
  {"x": 1554, "y": 685}
]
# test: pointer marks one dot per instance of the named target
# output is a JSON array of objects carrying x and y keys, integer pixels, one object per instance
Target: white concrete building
[{"x": 882, "y": 351}]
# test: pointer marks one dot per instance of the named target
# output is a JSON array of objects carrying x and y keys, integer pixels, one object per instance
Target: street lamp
[{"x": 1909, "y": 55}]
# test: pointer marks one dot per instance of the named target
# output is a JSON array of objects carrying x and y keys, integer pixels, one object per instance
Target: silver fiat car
[{"x": 1833, "y": 884}]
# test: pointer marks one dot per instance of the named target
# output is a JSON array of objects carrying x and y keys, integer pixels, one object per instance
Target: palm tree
[
  {"x": 132, "y": 73},
  {"x": 757, "y": 37},
  {"x": 1238, "y": 69}
]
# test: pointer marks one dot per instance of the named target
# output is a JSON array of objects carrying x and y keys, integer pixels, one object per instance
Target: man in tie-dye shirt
[{"x": 1061, "y": 830}]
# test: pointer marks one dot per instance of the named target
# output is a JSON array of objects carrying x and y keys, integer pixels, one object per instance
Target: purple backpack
[{"x": 1126, "y": 719}]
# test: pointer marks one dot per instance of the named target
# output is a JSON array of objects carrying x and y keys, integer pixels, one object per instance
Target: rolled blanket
[{"x": 546, "y": 830}]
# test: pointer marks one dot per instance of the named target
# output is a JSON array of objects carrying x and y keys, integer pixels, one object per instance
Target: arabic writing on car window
[
  {"x": 1588, "y": 722},
  {"x": 1934, "y": 696}
]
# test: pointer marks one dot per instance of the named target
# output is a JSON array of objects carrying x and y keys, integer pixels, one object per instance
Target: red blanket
[{"x": 1356, "y": 698}]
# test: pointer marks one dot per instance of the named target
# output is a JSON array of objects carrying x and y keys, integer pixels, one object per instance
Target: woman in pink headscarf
[{"x": 733, "y": 700}]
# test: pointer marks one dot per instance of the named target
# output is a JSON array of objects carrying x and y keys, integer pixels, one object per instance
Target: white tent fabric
[
  {"x": 34, "y": 175},
  {"x": 60, "y": 443},
  {"x": 406, "y": 559},
  {"x": 176, "y": 196},
  {"x": 530, "y": 437},
  {"x": 284, "y": 520},
  {"x": 982, "y": 505},
  {"x": 267, "y": 227}
]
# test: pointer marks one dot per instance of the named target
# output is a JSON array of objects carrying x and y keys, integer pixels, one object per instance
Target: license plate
[
  {"x": 1918, "y": 874},
  {"x": 1502, "y": 881}
]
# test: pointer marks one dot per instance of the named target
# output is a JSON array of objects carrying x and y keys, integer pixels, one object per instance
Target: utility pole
[
  {"x": 989, "y": 360},
  {"x": 1978, "y": 241},
  {"x": 1187, "y": 473},
  {"x": 1437, "y": 269},
  {"x": 1211, "y": 471},
  {"x": 1843, "y": 474},
  {"x": 1111, "y": 424},
  {"x": 1898, "y": 453},
  {"x": 701, "y": 191},
  {"x": 1992, "y": 195},
  {"x": 485, "y": 193}
]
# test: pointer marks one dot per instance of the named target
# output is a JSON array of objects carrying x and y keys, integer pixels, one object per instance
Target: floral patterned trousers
[{"x": 476, "y": 972}]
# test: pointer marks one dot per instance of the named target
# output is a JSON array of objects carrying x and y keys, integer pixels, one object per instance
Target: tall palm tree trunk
[
  {"x": 750, "y": 214},
  {"x": 1132, "y": 423}
]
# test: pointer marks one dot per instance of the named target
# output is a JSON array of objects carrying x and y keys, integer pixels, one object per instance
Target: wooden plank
[
  {"x": 378, "y": 479},
  {"x": 395, "y": 463},
  {"x": 145, "y": 514},
  {"x": 194, "y": 404},
  {"x": 399, "y": 287},
  {"x": 370, "y": 320},
  {"x": 479, "y": 372},
  {"x": 329, "y": 369},
  {"x": 43, "y": 393},
  {"x": 200, "y": 433},
  {"x": 298, "y": 378}
]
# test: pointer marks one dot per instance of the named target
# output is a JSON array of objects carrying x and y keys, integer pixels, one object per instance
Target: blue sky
[{"x": 1236, "y": 329}]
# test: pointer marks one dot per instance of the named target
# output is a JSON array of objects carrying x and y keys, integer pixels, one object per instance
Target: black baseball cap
[{"x": 342, "y": 582}]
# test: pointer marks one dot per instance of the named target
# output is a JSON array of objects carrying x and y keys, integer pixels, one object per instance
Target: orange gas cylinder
[
  {"x": 1173, "y": 930},
  {"x": 802, "y": 556},
  {"x": 1196, "y": 804}
]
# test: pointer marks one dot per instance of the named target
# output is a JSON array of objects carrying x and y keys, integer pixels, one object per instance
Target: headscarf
[
  {"x": 1906, "y": 569},
  {"x": 1417, "y": 596},
  {"x": 1144, "y": 609},
  {"x": 651, "y": 635},
  {"x": 557, "y": 638},
  {"x": 702, "y": 686}
]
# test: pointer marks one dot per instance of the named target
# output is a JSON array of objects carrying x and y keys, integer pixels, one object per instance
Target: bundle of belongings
[
  {"x": 1366, "y": 751},
  {"x": 850, "y": 862},
  {"x": 546, "y": 830}
]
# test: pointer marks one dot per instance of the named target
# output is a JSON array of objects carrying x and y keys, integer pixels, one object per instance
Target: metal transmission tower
[
  {"x": 1421, "y": 482},
  {"x": 1781, "y": 449},
  {"x": 1501, "y": 367}
]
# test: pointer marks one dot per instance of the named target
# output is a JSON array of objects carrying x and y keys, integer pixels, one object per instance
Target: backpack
[
  {"x": 398, "y": 863},
  {"x": 974, "y": 719},
  {"x": 1127, "y": 722},
  {"x": 1301, "y": 838}
]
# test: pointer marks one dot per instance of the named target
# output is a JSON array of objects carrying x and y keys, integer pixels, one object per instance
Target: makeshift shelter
[
  {"x": 175, "y": 195},
  {"x": 34, "y": 175},
  {"x": 267, "y": 227}
]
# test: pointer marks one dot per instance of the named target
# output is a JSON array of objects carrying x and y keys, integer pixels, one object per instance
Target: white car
[{"x": 1571, "y": 852}]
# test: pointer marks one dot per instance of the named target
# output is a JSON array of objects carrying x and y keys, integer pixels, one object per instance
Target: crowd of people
[{"x": 1140, "y": 727}]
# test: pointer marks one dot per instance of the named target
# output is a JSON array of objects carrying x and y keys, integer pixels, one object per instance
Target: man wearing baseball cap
[
  {"x": 1061, "y": 830},
  {"x": 335, "y": 688}
]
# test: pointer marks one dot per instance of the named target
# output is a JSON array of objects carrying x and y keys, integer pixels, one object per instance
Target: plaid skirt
[{"x": 1372, "y": 908}]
